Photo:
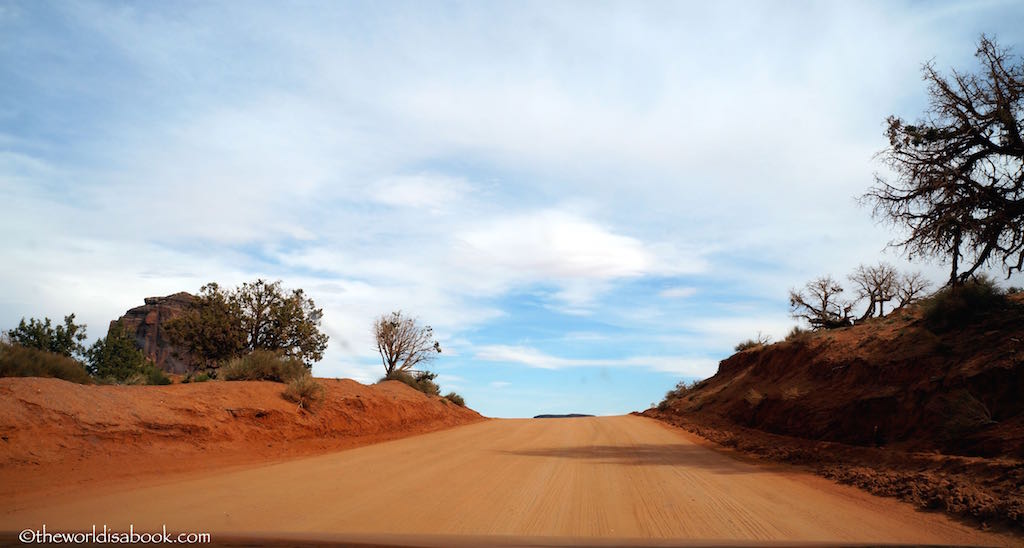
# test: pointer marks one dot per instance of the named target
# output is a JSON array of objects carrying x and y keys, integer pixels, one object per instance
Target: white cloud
[
  {"x": 558, "y": 247},
  {"x": 434, "y": 193},
  {"x": 680, "y": 292},
  {"x": 553, "y": 244},
  {"x": 531, "y": 357}
]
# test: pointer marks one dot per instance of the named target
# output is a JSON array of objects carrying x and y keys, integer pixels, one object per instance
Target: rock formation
[{"x": 147, "y": 323}]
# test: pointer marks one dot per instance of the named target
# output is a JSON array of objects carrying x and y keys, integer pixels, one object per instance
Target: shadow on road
[{"x": 647, "y": 454}]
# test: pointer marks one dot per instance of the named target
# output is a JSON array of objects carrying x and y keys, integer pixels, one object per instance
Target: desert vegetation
[
  {"x": 957, "y": 305},
  {"x": 455, "y": 398},
  {"x": 224, "y": 325},
  {"x": 258, "y": 331},
  {"x": 116, "y": 359},
  {"x": 38, "y": 348},
  {"x": 959, "y": 171},
  {"x": 958, "y": 193},
  {"x": 263, "y": 365},
  {"x": 63, "y": 339},
  {"x": 403, "y": 345},
  {"x": 22, "y": 361},
  {"x": 822, "y": 305},
  {"x": 305, "y": 391},
  {"x": 756, "y": 342}
]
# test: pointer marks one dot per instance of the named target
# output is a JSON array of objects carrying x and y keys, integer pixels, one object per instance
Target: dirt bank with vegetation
[
  {"x": 57, "y": 435},
  {"x": 924, "y": 404}
]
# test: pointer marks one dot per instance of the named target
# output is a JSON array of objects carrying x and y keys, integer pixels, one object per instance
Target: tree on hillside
[
  {"x": 910, "y": 288},
  {"x": 116, "y": 358},
  {"x": 402, "y": 343},
  {"x": 211, "y": 330},
  {"x": 282, "y": 320},
  {"x": 959, "y": 171},
  {"x": 65, "y": 340},
  {"x": 258, "y": 315},
  {"x": 820, "y": 304},
  {"x": 877, "y": 284}
]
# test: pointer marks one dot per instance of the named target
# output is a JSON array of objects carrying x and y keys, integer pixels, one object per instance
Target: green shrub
[
  {"x": 65, "y": 340},
  {"x": 201, "y": 377},
  {"x": 956, "y": 306},
  {"x": 115, "y": 357},
  {"x": 264, "y": 365},
  {"x": 150, "y": 374},
  {"x": 155, "y": 375},
  {"x": 455, "y": 398},
  {"x": 305, "y": 391},
  {"x": 422, "y": 381},
  {"x": 21, "y": 361}
]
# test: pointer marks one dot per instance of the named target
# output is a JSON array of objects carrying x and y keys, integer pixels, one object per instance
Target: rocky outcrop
[{"x": 147, "y": 323}]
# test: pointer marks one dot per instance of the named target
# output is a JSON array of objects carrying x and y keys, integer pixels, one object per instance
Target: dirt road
[{"x": 619, "y": 477}]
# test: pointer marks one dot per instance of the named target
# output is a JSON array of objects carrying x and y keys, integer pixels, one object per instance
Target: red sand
[{"x": 59, "y": 436}]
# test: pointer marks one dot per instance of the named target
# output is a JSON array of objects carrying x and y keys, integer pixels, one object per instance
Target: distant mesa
[
  {"x": 147, "y": 323},
  {"x": 568, "y": 416}
]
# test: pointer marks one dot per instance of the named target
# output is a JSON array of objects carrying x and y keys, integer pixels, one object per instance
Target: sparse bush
[
  {"x": 155, "y": 375},
  {"x": 797, "y": 334},
  {"x": 455, "y": 398},
  {"x": 760, "y": 341},
  {"x": 264, "y": 365},
  {"x": 305, "y": 391},
  {"x": 957, "y": 305},
  {"x": 20, "y": 361},
  {"x": 422, "y": 381},
  {"x": 150, "y": 374},
  {"x": 200, "y": 377},
  {"x": 748, "y": 344},
  {"x": 680, "y": 391}
]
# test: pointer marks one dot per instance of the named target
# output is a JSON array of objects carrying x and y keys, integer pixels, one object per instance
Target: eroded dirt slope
[
  {"x": 934, "y": 416},
  {"x": 55, "y": 434}
]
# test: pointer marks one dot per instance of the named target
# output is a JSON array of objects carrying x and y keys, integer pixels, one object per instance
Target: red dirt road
[{"x": 622, "y": 478}]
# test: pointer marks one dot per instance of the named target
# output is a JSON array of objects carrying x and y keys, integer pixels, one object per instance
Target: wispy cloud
[
  {"x": 531, "y": 357},
  {"x": 678, "y": 292}
]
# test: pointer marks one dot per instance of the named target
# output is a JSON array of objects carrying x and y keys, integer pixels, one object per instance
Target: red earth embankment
[
  {"x": 56, "y": 435},
  {"x": 932, "y": 416}
]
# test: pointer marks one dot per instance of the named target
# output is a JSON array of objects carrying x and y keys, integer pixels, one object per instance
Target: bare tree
[
  {"x": 911, "y": 287},
  {"x": 819, "y": 303},
  {"x": 877, "y": 284},
  {"x": 402, "y": 343},
  {"x": 959, "y": 171}
]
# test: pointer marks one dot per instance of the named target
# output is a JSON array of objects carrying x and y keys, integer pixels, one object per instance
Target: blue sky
[{"x": 587, "y": 201}]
